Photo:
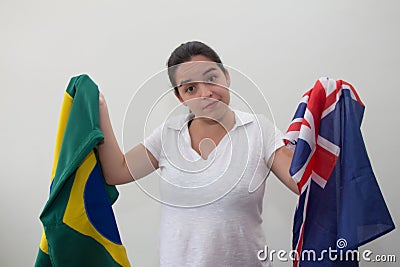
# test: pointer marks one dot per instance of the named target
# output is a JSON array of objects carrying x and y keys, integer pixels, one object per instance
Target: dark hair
[{"x": 185, "y": 52}]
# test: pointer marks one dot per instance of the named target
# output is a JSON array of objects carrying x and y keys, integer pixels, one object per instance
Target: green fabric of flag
[{"x": 79, "y": 227}]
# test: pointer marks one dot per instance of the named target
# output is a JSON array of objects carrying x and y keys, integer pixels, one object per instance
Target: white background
[{"x": 283, "y": 46}]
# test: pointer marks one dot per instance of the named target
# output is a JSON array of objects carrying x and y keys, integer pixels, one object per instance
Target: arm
[
  {"x": 280, "y": 167},
  {"x": 117, "y": 167}
]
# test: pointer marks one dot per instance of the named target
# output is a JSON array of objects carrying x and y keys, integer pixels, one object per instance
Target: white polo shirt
[{"x": 211, "y": 212}]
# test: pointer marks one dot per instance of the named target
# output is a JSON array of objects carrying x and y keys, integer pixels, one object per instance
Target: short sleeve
[
  {"x": 272, "y": 137},
  {"x": 153, "y": 142}
]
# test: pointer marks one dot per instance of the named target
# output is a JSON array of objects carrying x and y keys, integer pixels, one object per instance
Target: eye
[
  {"x": 212, "y": 78},
  {"x": 190, "y": 89}
]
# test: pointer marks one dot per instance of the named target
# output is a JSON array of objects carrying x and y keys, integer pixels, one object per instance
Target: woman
[{"x": 218, "y": 225}]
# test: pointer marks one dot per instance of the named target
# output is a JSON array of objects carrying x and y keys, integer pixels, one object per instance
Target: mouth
[{"x": 211, "y": 105}]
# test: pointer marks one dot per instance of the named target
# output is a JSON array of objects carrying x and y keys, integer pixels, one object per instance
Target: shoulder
[
  {"x": 176, "y": 122},
  {"x": 243, "y": 118},
  {"x": 171, "y": 124},
  {"x": 253, "y": 119}
]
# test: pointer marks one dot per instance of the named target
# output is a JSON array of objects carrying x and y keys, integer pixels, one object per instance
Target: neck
[{"x": 226, "y": 121}]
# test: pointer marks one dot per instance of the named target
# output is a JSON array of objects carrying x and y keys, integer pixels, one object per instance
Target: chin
[{"x": 217, "y": 114}]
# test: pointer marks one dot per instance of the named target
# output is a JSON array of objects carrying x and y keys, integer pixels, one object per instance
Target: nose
[{"x": 204, "y": 90}]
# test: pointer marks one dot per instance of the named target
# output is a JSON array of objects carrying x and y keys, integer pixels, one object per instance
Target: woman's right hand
[{"x": 102, "y": 100}]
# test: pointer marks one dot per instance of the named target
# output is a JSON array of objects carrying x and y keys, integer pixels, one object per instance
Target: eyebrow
[{"x": 189, "y": 80}]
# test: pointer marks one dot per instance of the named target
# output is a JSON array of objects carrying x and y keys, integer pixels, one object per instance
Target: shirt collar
[{"x": 177, "y": 122}]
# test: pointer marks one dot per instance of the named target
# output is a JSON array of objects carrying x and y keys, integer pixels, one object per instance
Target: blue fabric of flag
[{"x": 349, "y": 211}]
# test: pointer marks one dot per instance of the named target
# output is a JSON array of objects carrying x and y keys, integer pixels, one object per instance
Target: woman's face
[{"x": 203, "y": 87}]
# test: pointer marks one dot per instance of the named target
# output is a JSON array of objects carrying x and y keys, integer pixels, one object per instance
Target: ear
[{"x": 228, "y": 78}]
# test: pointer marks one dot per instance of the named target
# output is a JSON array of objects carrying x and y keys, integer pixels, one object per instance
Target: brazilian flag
[{"x": 78, "y": 220}]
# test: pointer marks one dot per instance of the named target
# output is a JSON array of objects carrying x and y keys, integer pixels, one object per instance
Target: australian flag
[{"x": 340, "y": 206}]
